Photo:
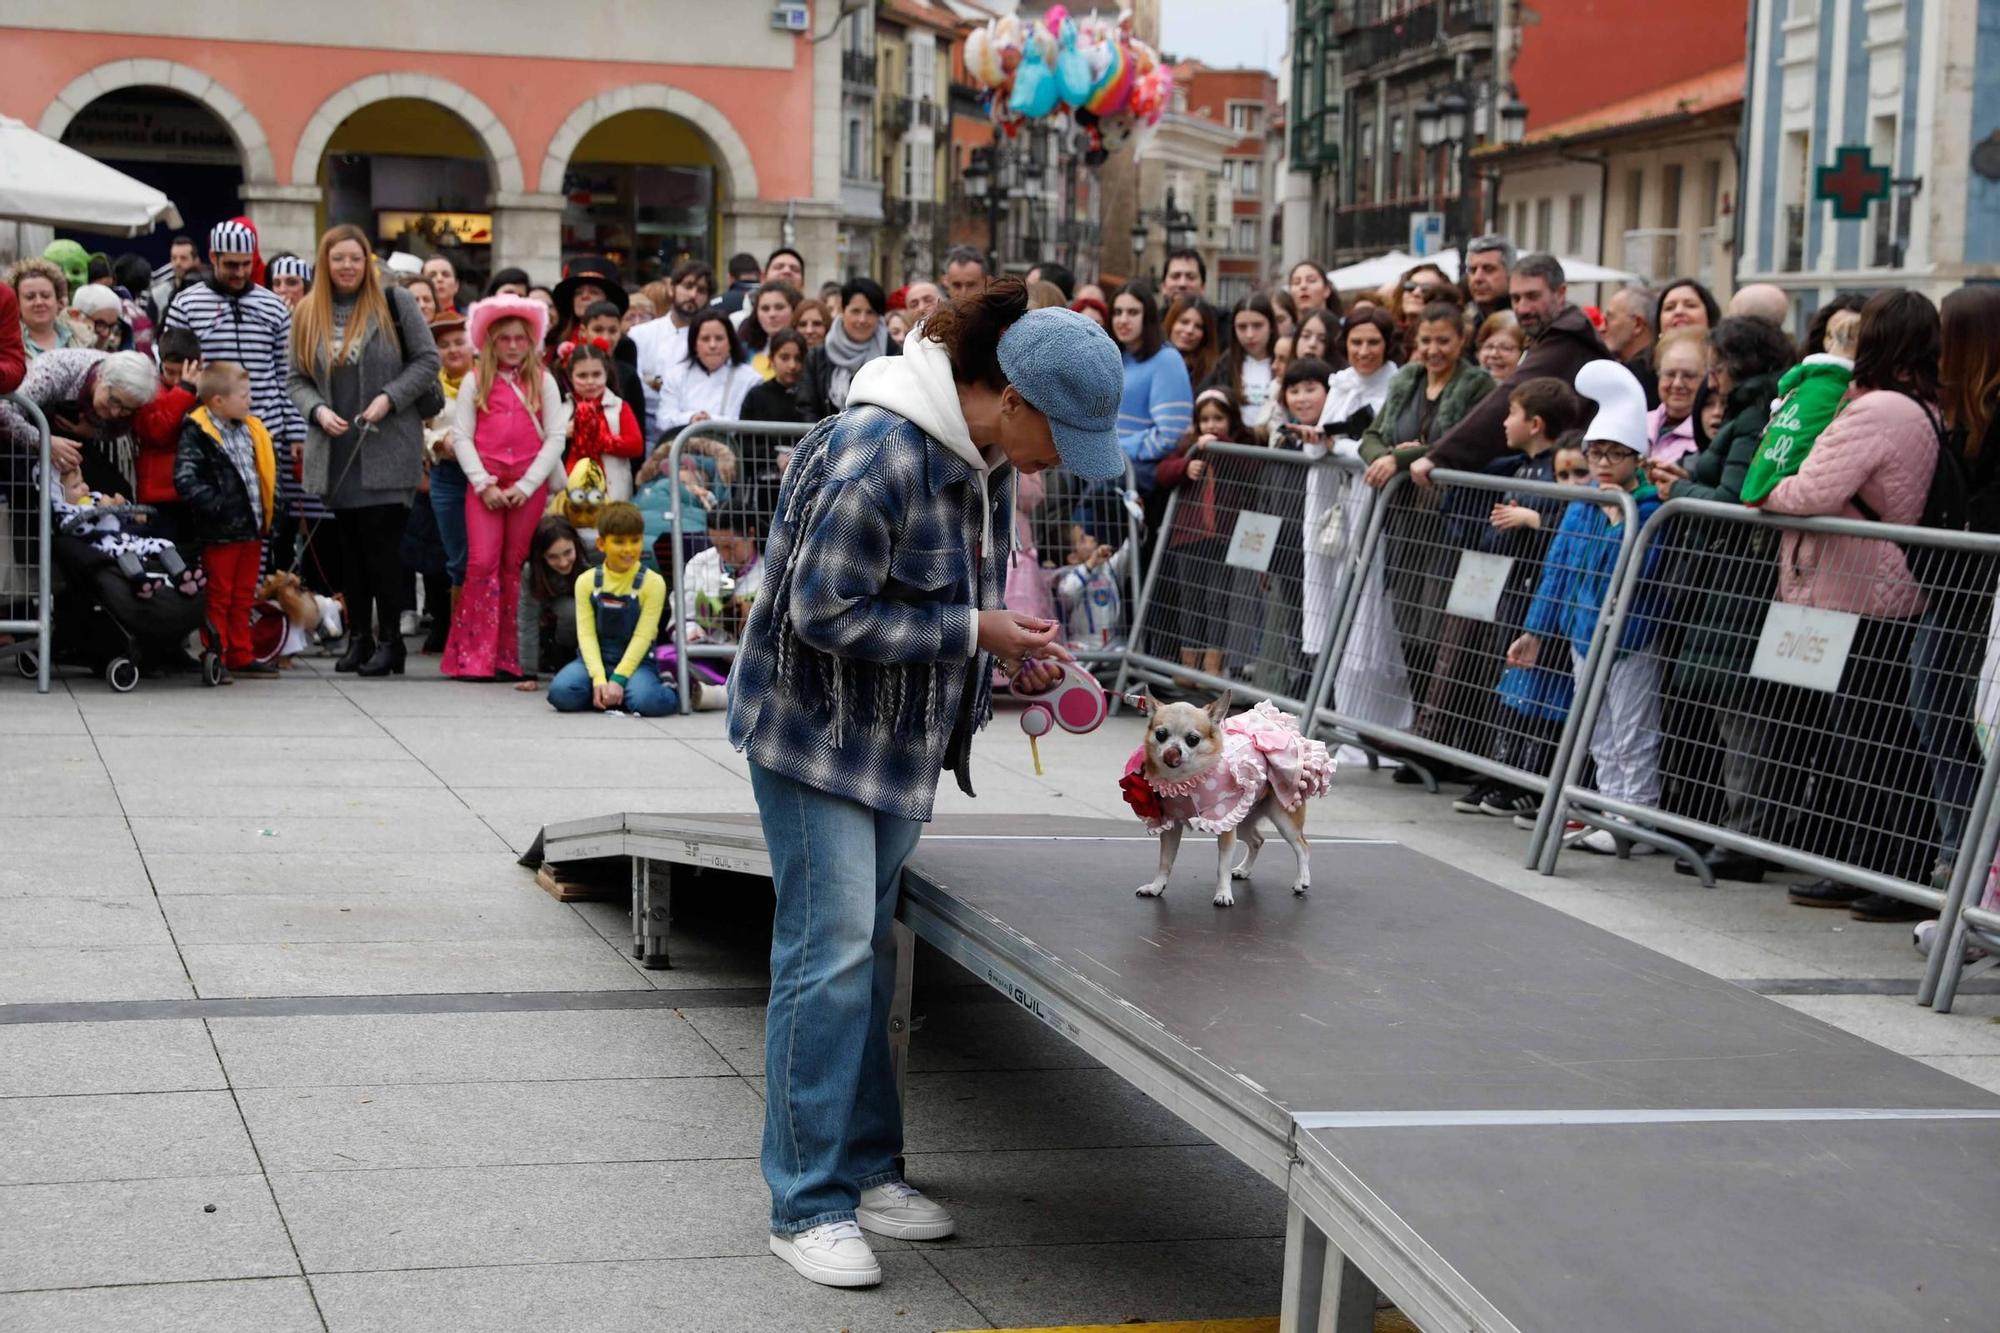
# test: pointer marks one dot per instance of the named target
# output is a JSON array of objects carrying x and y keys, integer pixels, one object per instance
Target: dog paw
[
  {"x": 1224, "y": 898},
  {"x": 1240, "y": 872},
  {"x": 1150, "y": 890},
  {"x": 1299, "y": 890}
]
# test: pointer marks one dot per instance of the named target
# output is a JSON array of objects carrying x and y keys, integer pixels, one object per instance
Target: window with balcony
[
  {"x": 853, "y": 163},
  {"x": 1545, "y": 230},
  {"x": 1670, "y": 196},
  {"x": 1245, "y": 240},
  {"x": 1635, "y": 199},
  {"x": 1574, "y": 237},
  {"x": 1229, "y": 171},
  {"x": 910, "y": 180},
  {"x": 923, "y": 69},
  {"x": 1249, "y": 178},
  {"x": 1244, "y": 117}
]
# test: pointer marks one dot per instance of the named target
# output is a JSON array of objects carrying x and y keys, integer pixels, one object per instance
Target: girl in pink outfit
[{"x": 507, "y": 432}]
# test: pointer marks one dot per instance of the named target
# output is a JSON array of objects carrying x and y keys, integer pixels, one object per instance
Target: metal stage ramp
[{"x": 1498, "y": 1116}]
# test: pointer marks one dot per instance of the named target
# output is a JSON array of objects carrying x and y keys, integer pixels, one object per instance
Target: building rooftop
[{"x": 1718, "y": 88}]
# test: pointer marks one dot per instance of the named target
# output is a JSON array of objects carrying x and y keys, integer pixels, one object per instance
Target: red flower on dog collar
[{"x": 1139, "y": 794}]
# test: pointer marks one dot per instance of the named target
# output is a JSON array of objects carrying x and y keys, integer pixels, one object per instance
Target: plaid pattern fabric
[{"x": 853, "y": 670}]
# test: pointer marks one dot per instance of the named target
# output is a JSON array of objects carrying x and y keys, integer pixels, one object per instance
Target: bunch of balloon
[{"x": 1063, "y": 69}]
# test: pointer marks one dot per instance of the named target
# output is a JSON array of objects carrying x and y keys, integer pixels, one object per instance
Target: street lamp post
[
  {"x": 1177, "y": 225},
  {"x": 983, "y": 185},
  {"x": 1447, "y": 121}
]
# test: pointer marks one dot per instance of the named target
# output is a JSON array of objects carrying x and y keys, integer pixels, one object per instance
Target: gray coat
[{"x": 392, "y": 458}]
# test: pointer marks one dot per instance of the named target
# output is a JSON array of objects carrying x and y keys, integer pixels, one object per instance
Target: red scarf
[{"x": 594, "y": 436}]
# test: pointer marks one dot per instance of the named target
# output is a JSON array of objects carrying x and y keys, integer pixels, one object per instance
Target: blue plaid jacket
[{"x": 855, "y": 675}]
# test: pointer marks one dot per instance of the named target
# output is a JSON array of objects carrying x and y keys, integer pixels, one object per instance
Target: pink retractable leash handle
[{"x": 1077, "y": 703}]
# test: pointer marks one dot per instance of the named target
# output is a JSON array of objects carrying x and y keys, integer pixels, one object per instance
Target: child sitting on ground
[
  {"x": 1576, "y": 578},
  {"x": 1519, "y": 527},
  {"x": 227, "y": 474},
  {"x": 618, "y": 607},
  {"x": 720, "y": 584},
  {"x": 546, "y": 623}
]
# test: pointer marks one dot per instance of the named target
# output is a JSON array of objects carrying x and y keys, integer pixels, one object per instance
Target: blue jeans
[
  {"x": 448, "y": 504},
  {"x": 645, "y": 693},
  {"x": 1944, "y": 674},
  {"x": 832, "y": 1124}
]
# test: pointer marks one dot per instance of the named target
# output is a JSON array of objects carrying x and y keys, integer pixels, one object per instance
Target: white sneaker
[
  {"x": 894, "y": 1209},
  {"x": 1605, "y": 843},
  {"x": 833, "y": 1254}
]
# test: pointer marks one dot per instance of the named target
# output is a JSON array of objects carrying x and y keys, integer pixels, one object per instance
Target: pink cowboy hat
[{"x": 485, "y": 314}]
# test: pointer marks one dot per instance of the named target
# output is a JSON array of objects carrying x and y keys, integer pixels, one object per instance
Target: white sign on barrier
[
  {"x": 1476, "y": 588},
  {"x": 1254, "y": 541},
  {"x": 1804, "y": 646}
]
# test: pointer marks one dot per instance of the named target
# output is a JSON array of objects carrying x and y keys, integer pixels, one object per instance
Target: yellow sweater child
[{"x": 618, "y": 606}]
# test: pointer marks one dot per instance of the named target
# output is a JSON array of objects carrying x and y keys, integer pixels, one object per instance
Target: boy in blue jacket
[{"x": 1576, "y": 580}]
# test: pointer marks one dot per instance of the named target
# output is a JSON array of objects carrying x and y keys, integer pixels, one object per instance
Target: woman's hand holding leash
[
  {"x": 378, "y": 407},
  {"x": 1013, "y": 637}
]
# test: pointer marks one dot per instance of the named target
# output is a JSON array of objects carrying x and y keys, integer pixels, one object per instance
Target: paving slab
[
  {"x": 121, "y": 1136},
  {"x": 346, "y": 1221},
  {"x": 237, "y": 800},
  {"x": 69, "y": 795},
  {"x": 746, "y": 1295},
  {"x": 71, "y": 972},
  {"x": 112, "y": 869},
  {"x": 1982, "y": 1071},
  {"x": 25, "y": 713},
  {"x": 125, "y": 921},
  {"x": 457, "y": 1048},
  {"x": 47, "y": 1059},
  {"x": 702, "y": 955},
  {"x": 263, "y": 1305},
  {"x": 1887, "y": 1021},
  {"x": 106, "y": 1233},
  {"x": 289, "y": 871},
  {"x": 1117, "y": 1283},
  {"x": 502, "y": 1124},
  {"x": 454, "y": 915},
  {"x": 407, "y": 967},
  {"x": 76, "y": 837},
  {"x": 642, "y": 758},
  {"x": 320, "y": 714},
  {"x": 333, "y": 836}
]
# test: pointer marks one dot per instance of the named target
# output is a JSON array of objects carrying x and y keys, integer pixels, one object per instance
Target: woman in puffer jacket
[{"x": 1874, "y": 462}]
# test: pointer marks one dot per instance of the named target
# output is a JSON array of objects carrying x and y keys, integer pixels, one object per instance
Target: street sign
[
  {"x": 1851, "y": 183},
  {"x": 1426, "y": 234}
]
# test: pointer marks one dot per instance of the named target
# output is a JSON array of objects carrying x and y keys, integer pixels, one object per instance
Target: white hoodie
[{"x": 918, "y": 386}]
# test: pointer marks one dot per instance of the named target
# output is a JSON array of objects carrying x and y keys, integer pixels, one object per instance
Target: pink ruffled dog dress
[{"x": 1261, "y": 748}]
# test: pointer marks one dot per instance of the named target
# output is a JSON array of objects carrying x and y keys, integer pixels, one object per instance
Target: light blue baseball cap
[{"x": 1070, "y": 371}]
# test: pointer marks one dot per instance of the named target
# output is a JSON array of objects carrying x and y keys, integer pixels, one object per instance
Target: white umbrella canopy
[
  {"x": 43, "y": 181},
  {"x": 1371, "y": 273}
]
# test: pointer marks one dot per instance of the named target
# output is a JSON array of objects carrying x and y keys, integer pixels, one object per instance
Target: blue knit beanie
[{"x": 1069, "y": 370}]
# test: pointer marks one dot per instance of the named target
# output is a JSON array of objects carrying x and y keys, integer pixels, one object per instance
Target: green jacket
[
  {"x": 1462, "y": 393},
  {"x": 1810, "y": 393}
]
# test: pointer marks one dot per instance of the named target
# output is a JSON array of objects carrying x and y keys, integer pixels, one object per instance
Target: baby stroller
[{"x": 102, "y": 621}]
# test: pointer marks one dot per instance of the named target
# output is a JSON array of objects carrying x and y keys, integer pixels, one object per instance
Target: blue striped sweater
[{"x": 1156, "y": 411}]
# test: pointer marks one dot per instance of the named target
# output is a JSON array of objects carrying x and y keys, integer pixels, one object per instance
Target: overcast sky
[{"x": 1225, "y": 32}]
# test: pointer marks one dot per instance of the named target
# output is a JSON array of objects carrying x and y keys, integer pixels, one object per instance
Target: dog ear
[{"x": 1219, "y": 709}]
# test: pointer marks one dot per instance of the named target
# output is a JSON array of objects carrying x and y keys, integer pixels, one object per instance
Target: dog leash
[{"x": 305, "y": 543}]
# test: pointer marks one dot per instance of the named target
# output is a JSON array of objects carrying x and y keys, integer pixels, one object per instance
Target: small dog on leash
[
  {"x": 1200, "y": 768},
  {"x": 310, "y": 617}
]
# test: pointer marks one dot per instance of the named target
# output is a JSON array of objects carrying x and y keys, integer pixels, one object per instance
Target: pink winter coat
[{"x": 1882, "y": 447}]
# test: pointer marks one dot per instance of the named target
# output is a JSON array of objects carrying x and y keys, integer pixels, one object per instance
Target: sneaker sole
[
  {"x": 905, "y": 1230},
  {"x": 826, "y": 1277}
]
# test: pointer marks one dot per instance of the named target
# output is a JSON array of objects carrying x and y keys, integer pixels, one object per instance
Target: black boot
[
  {"x": 388, "y": 658},
  {"x": 360, "y": 647}
]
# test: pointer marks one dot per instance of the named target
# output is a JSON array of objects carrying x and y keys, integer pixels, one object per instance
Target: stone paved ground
[{"x": 358, "y": 1073}]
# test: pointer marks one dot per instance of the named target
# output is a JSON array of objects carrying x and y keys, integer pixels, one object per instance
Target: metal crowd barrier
[
  {"x": 741, "y": 466},
  {"x": 1420, "y": 663},
  {"x": 26, "y": 602},
  {"x": 1110, "y": 513},
  {"x": 753, "y": 463},
  {"x": 1832, "y": 742},
  {"x": 1249, "y": 574}
]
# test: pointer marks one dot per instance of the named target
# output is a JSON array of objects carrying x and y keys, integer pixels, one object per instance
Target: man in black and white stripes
[{"x": 236, "y": 320}]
